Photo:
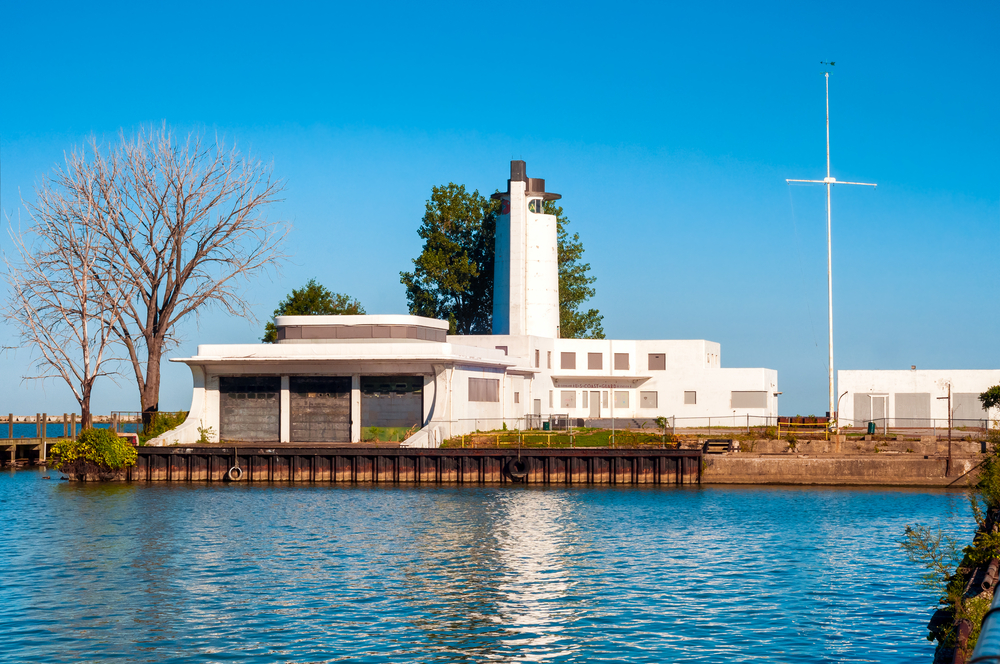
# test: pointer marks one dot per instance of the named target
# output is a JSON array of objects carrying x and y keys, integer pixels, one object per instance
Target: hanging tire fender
[
  {"x": 235, "y": 474},
  {"x": 517, "y": 469}
]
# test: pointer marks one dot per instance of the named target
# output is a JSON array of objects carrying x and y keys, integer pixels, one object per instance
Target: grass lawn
[{"x": 577, "y": 438}]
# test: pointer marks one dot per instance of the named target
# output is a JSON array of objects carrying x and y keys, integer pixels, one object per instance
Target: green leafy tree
[
  {"x": 452, "y": 277},
  {"x": 312, "y": 300},
  {"x": 991, "y": 397},
  {"x": 576, "y": 284}
]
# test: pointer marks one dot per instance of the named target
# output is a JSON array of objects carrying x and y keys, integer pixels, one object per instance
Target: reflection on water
[
  {"x": 534, "y": 541},
  {"x": 213, "y": 573}
]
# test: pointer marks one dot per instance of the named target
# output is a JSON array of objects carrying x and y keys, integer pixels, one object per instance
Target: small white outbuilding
[{"x": 917, "y": 398}]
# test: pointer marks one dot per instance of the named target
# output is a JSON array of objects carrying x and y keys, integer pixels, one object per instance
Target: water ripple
[{"x": 220, "y": 573}]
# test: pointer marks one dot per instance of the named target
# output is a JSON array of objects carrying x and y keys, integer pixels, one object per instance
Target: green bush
[
  {"x": 162, "y": 423},
  {"x": 95, "y": 452}
]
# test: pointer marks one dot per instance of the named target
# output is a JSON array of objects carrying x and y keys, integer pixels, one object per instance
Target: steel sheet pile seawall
[{"x": 415, "y": 466}]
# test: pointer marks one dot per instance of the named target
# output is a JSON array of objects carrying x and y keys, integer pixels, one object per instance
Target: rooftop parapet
[{"x": 328, "y": 329}]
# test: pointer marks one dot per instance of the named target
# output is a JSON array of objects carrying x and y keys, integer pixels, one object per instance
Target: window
[
  {"x": 621, "y": 361},
  {"x": 484, "y": 389},
  {"x": 568, "y": 361},
  {"x": 657, "y": 361},
  {"x": 690, "y": 398},
  {"x": 604, "y": 398},
  {"x": 537, "y": 353},
  {"x": 595, "y": 361},
  {"x": 503, "y": 348},
  {"x": 584, "y": 399},
  {"x": 749, "y": 400},
  {"x": 621, "y": 399},
  {"x": 550, "y": 398},
  {"x": 647, "y": 399},
  {"x": 567, "y": 399},
  {"x": 517, "y": 397},
  {"x": 535, "y": 205},
  {"x": 548, "y": 358}
]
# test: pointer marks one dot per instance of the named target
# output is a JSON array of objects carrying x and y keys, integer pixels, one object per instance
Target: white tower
[{"x": 526, "y": 269}]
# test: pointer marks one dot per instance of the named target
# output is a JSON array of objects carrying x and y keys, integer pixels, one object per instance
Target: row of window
[
  {"x": 649, "y": 399},
  {"x": 595, "y": 361},
  {"x": 567, "y": 399},
  {"x": 488, "y": 389}
]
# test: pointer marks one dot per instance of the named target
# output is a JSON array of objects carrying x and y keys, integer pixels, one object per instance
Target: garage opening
[
  {"x": 320, "y": 409},
  {"x": 391, "y": 407},
  {"x": 249, "y": 408}
]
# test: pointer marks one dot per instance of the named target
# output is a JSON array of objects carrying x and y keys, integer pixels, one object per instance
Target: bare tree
[
  {"x": 62, "y": 308},
  {"x": 176, "y": 226},
  {"x": 184, "y": 225}
]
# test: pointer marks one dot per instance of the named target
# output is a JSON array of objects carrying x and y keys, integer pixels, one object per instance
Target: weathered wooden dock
[{"x": 355, "y": 464}]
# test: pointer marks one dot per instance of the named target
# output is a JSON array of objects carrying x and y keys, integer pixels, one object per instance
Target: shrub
[
  {"x": 162, "y": 423},
  {"x": 95, "y": 452}
]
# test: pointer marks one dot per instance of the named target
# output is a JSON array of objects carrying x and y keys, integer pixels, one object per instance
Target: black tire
[{"x": 517, "y": 469}]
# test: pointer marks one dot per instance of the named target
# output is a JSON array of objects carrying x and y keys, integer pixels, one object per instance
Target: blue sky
[{"x": 669, "y": 129}]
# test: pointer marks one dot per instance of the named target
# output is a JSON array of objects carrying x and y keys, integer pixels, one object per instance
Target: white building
[
  {"x": 349, "y": 378},
  {"x": 915, "y": 398}
]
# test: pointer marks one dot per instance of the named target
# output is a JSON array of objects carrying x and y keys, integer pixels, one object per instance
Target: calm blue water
[
  {"x": 54, "y": 431},
  {"x": 298, "y": 573}
]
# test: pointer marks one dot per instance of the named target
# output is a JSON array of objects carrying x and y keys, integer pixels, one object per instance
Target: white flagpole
[{"x": 829, "y": 181}]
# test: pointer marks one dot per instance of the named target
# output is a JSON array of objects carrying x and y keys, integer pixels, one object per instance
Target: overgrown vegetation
[
  {"x": 935, "y": 551},
  {"x": 95, "y": 452},
  {"x": 950, "y": 570},
  {"x": 793, "y": 444},
  {"x": 162, "y": 422},
  {"x": 206, "y": 435}
]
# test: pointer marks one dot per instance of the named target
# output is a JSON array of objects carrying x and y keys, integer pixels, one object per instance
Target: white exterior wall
[
  {"x": 691, "y": 365},
  {"x": 445, "y": 367},
  {"x": 891, "y": 383},
  {"x": 541, "y": 294},
  {"x": 526, "y": 270},
  {"x": 508, "y": 267},
  {"x": 501, "y": 275}
]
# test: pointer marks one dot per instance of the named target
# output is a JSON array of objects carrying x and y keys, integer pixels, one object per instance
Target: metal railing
[{"x": 501, "y": 429}]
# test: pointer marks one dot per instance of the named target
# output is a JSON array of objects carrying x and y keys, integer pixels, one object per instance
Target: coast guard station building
[{"x": 350, "y": 378}]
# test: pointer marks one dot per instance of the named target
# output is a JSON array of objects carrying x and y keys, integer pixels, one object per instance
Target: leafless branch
[
  {"x": 60, "y": 307},
  {"x": 131, "y": 238},
  {"x": 182, "y": 225}
]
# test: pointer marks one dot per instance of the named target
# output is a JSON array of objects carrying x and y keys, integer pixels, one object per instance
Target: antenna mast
[{"x": 829, "y": 181}]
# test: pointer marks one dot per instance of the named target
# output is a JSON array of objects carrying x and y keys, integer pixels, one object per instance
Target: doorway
[{"x": 595, "y": 404}]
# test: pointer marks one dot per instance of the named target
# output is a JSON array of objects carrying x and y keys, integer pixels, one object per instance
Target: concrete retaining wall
[
  {"x": 927, "y": 445},
  {"x": 884, "y": 470}
]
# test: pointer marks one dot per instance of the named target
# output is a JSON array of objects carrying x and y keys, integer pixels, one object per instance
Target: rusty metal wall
[
  {"x": 320, "y": 409},
  {"x": 249, "y": 408},
  {"x": 562, "y": 467}
]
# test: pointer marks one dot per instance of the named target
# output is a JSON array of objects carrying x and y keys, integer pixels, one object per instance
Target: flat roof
[{"x": 377, "y": 319}]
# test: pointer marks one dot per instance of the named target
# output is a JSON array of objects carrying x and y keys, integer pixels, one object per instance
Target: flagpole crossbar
[
  {"x": 829, "y": 181},
  {"x": 835, "y": 181}
]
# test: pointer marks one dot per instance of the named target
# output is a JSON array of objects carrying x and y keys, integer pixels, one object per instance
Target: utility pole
[{"x": 829, "y": 181}]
